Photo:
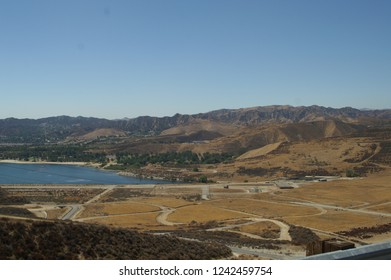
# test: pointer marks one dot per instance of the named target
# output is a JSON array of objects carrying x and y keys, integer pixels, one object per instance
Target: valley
[
  {"x": 261, "y": 219},
  {"x": 265, "y": 182}
]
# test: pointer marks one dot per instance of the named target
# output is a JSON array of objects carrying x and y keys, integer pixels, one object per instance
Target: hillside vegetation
[{"x": 72, "y": 241}]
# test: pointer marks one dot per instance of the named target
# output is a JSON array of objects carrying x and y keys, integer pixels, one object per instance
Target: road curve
[
  {"x": 284, "y": 228},
  {"x": 72, "y": 212},
  {"x": 162, "y": 217}
]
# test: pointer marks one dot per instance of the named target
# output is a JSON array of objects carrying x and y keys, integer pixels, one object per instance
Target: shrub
[
  {"x": 351, "y": 173},
  {"x": 203, "y": 179}
]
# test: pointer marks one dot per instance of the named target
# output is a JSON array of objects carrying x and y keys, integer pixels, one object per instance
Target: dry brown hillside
[
  {"x": 249, "y": 138},
  {"x": 329, "y": 156},
  {"x": 202, "y": 125},
  {"x": 97, "y": 133}
]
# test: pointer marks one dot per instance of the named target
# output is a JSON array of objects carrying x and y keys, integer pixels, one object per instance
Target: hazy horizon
[{"x": 126, "y": 59}]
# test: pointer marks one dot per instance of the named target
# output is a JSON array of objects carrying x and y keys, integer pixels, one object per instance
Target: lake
[{"x": 13, "y": 173}]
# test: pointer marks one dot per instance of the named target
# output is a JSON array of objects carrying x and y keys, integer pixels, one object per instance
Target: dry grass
[
  {"x": 347, "y": 193},
  {"x": 166, "y": 201},
  {"x": 176, "y": 191},
  {"x": 139, "y": 221},
  {"x": 334, "y": 155},
  {"x": 199, "y": 125},
  {"x": 384, "y": 208},
  {"x": 268, "y": 229},
  {"x": 357, "y": 193},
  {"x": 56, "y": 213},
  {"x": 338, "y": 221},
  {"x": 105, "y": 209},
  {"x": 260, "y": 151},
  {"x": 264, "y": 208},
  {"x": 226, "y": 191},
  {"x": 332, "y": 151},
  {"x": 371, "y": 193},
  {"x": 202, "y": 213}
]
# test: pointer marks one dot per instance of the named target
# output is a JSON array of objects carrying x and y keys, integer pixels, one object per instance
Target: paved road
[
  {"x": 98, "y": 196},
  {"x": 76, "y": 208},
  {"x": 72, "y": 212}
]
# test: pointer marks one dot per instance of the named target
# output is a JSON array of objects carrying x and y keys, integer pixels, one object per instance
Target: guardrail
[{"x": 378, "y": 251}]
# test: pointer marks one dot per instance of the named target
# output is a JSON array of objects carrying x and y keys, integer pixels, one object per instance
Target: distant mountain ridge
[
  {"x": 54, "y": 129},
  {"x": 290, "y": 114}
]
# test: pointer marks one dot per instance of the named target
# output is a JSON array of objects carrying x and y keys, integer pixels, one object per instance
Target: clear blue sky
[{"x": 127, "y": 58}]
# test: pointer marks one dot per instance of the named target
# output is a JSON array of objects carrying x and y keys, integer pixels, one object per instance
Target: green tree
[{"x": 203, "y": 179}]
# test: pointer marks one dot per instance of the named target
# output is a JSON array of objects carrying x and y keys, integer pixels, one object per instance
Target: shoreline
[
  {"x": 77, "y": 163},
  {"x": 98, "y": 166},
  {"x": 85, "y": 164}
]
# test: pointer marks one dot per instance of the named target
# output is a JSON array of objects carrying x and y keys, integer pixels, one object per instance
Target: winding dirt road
[
  {"x": 284, "y": 228},
  {"x": 162, "y": 217}
]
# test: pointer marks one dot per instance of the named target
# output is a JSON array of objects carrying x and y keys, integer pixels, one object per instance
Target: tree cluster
[
  {"x": 175, "y": 158},
  {"x": 6, "y": 199},
  {"x": 367, "y": 232},
  {"x": 301, "y": 235},
  {"x": 53, "y": 153},
  {"x": 228, "y": 238},
  {"x": 15, "y": 211}
]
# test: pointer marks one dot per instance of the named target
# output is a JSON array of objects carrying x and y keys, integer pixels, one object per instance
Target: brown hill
[
  {"x": 256, "y": 153},
  {"x": 255, "y": 137},
  {"x": 232, "y": 139},
  {"x": 328, "y": 156},
  {"x": 201, "y": 125},
  {"x": 97, "y": 133}
]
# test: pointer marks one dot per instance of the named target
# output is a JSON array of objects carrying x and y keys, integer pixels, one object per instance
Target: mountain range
[{"x": 219, "y": 122}]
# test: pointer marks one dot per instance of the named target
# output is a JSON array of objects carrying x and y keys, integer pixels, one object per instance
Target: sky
[{"x": 128, "y": 58}]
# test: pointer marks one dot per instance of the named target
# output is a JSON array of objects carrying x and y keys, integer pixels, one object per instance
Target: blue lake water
[{"x": 12, "y": 173}]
